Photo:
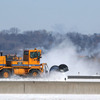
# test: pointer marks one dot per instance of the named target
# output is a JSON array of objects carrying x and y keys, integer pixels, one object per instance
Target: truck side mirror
[{"x": 1, "y": 53}]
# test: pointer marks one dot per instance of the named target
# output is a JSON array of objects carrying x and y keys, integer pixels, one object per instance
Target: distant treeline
[{"x": 13, "y": 40}]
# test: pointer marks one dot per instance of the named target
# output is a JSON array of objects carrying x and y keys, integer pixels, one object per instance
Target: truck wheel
[
  {"x": 6, "y": 73},
  {"x": 34, "y": 73}
]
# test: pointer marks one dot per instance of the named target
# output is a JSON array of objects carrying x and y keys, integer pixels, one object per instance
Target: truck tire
[
  {"x": 34, "y": 73},
  {"x": 6, "y": 73}
]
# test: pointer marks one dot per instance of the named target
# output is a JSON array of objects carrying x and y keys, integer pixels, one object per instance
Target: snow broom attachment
[
  {"x": 60, "y": 68},
  {"x": 63, "y": 68}
]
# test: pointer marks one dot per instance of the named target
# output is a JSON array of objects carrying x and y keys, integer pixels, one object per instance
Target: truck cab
[{"x": 32, "y": 56}]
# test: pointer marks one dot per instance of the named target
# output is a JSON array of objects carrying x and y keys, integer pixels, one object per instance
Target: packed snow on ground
[
  {"x": 48, "y": 97},
  {"x": 55, "y": 76}
]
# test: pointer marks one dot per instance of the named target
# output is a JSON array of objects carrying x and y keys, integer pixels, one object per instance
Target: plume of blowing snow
[{"x": 65, "y": 53}]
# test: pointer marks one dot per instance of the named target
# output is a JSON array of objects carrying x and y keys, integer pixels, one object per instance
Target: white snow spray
[{"x": 65, "y": 53}]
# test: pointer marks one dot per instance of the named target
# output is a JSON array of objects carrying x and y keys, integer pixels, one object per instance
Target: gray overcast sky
[{"x": 55, "y": 15}]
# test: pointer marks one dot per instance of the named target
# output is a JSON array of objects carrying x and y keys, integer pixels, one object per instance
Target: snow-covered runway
[{"x": 48, "y": 97}]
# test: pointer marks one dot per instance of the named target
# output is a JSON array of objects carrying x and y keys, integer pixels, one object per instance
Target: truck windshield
[{"x": 34, "y": 54}]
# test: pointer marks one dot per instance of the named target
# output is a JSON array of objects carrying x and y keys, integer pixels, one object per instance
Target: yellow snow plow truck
[{"x": 29, "y": 65}]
